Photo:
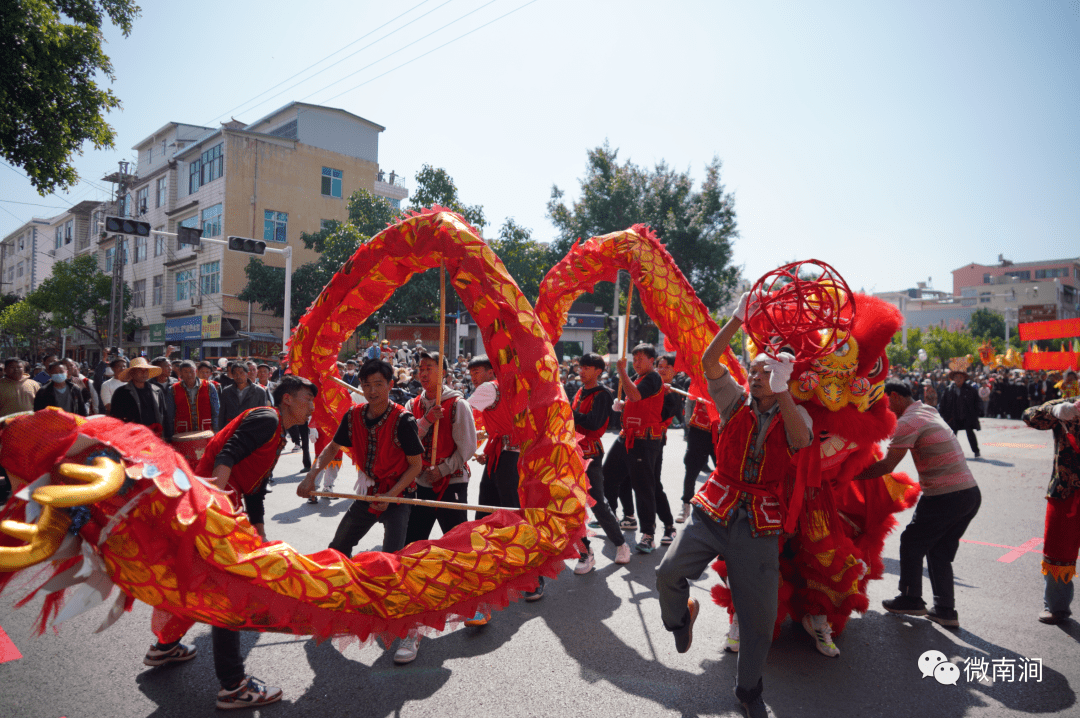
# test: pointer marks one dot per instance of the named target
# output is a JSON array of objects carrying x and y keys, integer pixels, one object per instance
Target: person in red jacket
[
  {"x": 388, "y": 452},
  {"x": 239, "y": 458},
  {"x": 741, "y": 511}
]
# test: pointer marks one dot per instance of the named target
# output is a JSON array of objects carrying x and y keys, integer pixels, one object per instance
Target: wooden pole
[
  {"x": 626, "y": 331},
  {"x": 347, "y": 385},
  {"x": 413, "y": 502},
  {"x": 442, "y": 356}
]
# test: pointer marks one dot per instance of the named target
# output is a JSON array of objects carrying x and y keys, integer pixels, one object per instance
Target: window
[
  {"x": 11, "y": 274},
  {"x": 325, "y": 224},
  {"x": 140, "y": 250},
  {"x": 124, "y": 206},
  {"x": 22, "y": 242},
  {"x": 19, "y": 270},
  {"x": 163, "y": 148},
  {"x": 274, "y": 225},
  {"x": 192, "y": 221},
  {"x": 194, "y": 174},
  {"x": 159, "y": 289},
  {"x": 110, "y": 257},
  {"x": 212, "y": 162},
  {"x": 59, "y": 237},
  {"x": 211, "y": 221},
  {"x": 138, "y": 294},
  {"x": 210, "y": 277},
  {"x": 986, "y": 279},
  {"x": 331, "y": 182},
  {"x": 185, "y": 285},
  {"x": 1024, "y": 275},
  {"x": 159, "y": 242},
  {"x": 69, "y": 230},
  {"x": 1051, "y": 273},
  {"x": 142, "y": 200},
  {"x": 162, "y": 186}
]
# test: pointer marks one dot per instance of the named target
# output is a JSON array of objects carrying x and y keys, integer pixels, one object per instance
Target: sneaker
[
  {"x": 668, "y": 537},
  {"x": 537, "y": 593},
  {"x": 731, "y": 645},
  {"x": 645, "y": 545},
  {"x": 819, "y": 628},
  {"x": 1051, "y": 617},
  {"x": 905, "y": 605},
  {"x": 480, "y": 619},
  {"x": 628, "y": 523},
  {"x": 684, "y": 515},
  {"x": 594, "y": 524},
  {"x": 685, "y": 635},
  {"x": 251, "y": 693},
  {"x": 622, "y": 554},
  {"x": 313, "y": 499},
  {"x": 944, "y": 616},
  {"x": 407, "y": 650},
  {"x": 586, "y": 563},
  {"x": 177, "y": 654},
  {"x": 752, "y": 703}
]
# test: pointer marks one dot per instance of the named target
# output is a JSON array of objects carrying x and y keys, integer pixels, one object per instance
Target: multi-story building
[
  {"x": 286, "y": 174},
  {"x": 25, "y": 257}
]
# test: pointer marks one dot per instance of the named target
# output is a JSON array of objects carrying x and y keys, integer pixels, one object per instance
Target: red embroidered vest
[
  {"x": 193, "y": 418},
  {"x": 446, "y": 447},
  {"x": 377, "y": 448},
  {"x": 699, "y": 418},
  {"x": 589, "y": 442},
  {"x": 739, "y": 476},
  {"x": 248, "y": 473},
  {"x": 641, "y": 419},
  {"x": 499, "y": 423}
]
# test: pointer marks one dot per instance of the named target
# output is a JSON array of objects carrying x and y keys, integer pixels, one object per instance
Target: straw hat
[{"x": 139, "y": 363}]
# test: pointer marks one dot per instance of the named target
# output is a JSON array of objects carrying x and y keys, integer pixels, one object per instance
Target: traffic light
[
  {"x": 120, "y": 225},
  {"x": 189, "y": 235},
  {"x": 611, "y": 326},
  {"x": 635, "y": 332},
  {"x": 243, "y": 244}
]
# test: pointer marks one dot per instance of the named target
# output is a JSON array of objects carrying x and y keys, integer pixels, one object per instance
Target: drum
[{"x": 192, "y": 444}]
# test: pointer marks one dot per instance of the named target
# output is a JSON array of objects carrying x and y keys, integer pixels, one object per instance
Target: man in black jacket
[
  {"x": 60, "y": 392},
  {"x": 959, "y": 407},
  {"x": 140, "y": 401}
]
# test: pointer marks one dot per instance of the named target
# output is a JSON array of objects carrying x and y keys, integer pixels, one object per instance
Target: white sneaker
[
  {"x": 682, "y": 517},
  {"x": 586, "y": 563},
  {"x": 407, "y": 649},
  {"x": 622, "y": 554},
  {"x": 820, "y": 629},
  {"x": 732, "y": 642}
]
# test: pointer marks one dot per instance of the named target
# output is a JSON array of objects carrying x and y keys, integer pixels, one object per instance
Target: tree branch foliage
[{"x": 51, "y": 52}]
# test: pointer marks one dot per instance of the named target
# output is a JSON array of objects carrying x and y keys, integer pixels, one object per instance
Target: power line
[
  {"x": 380, "y": 27},
  {"x": 405, "y": 47},
  {"x": 32, "y": 204},
  {"x": 470, "y": 32}
]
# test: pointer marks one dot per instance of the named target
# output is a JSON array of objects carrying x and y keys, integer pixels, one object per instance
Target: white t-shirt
[{"x": 107, "y": 389}]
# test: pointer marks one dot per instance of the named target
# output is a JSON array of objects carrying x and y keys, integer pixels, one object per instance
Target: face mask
[{"x": 58, "y": 378}]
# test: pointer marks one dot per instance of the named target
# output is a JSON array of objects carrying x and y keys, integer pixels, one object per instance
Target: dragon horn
[
  {"x": 104, "y": 479},
  {"x": 43, "y": 539}
]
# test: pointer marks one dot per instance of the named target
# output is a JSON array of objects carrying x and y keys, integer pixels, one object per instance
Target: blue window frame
[
  {"x": 211, "y": 221},
  {"x": 275, "y": 225},
  {"x": 331, "y": 182}
]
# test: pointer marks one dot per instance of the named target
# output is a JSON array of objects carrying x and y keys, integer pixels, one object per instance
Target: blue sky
[{"x": 896, "y": 141}]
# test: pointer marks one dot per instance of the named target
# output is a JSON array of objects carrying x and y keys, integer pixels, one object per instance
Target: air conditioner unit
[
  {"x": 196, "y": 300},
  {"x": 51, "y": 252}
]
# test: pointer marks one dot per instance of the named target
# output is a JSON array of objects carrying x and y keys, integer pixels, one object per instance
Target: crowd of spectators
[{"x": 1003, "y": 393}]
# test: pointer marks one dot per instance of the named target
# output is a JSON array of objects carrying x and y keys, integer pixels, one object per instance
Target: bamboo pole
[
  {"x": 413, "y": 502},
  {"x": 626, "y": 330},
  {"x": 442, "y": 356},
  {"x": 347, "y": 385}
]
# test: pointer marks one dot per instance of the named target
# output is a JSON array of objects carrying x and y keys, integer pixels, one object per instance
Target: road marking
[
  {"x": 1007, "y": 445},
  {"x": 8, "y": 651},
  {"x": 1016, "y": 552}
]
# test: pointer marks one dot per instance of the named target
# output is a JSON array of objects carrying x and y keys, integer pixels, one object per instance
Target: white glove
[
  {"x": 618, "y": 405},
  {"x": 780, "y": 370},
  {"x": 740, "y": 311},
  {"x": 1066, "y": 411},
  {"x": 313, "y": 434}
]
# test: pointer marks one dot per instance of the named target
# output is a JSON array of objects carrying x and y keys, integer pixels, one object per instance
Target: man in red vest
[
  {"x": 741, "y": 512},
  {"x": 239, "y": 458},
  {"x": 388, "y": 452},
  {"x": 700, "y": 430},
  {"x": 499, "y": 482},
  {"x": 197, "y": 401},
  {"x": 592, "y": 413}
]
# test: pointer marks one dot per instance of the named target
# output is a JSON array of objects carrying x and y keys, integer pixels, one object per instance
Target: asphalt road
[{"x": 595, "y": 644}]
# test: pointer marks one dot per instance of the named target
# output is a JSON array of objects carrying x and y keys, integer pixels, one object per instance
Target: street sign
[
  {"x": 189, "y": 235},
  {"x": 244, "y": 244},
  {"x": 121, "y": 225}
]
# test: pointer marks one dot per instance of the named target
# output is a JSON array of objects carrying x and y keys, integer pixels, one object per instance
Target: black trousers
[
  {"x": 422, "y": 518},
  {"x": 299, "y": 435},
  {"x": 500, "y": 487},
  {"x": 601, "y": 510},
  {"x": 663, "y": 508},
  {"x": 934, "y": 533},
  {"x": 699, "y": 449},
  {"x": 228, "y": 663},
  {"x": 638, "y": 464},
  {"x": 972, "y": 441},
  {"x": 616, "y": 487},
  {"x": 358, "y": 520}
]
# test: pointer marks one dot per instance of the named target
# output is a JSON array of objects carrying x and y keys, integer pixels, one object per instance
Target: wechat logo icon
[{"x": 934, "y": 663}]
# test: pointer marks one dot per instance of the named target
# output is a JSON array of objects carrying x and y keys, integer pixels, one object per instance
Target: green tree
[
  {"x": 77, "y": 295},
  {"x": 697, "y": 226},
  {"x": 434, "y": 186},
  {"x": 526, "y": 259},
  {"x": 23, "y": 325},
  {"x": 986, "y": 324},
  {"x": 51, "y": 52}
]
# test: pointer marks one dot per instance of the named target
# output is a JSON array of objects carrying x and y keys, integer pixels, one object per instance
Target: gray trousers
[{"x": 753, "y": 574}]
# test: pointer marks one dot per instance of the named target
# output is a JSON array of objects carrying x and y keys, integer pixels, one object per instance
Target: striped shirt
[{"x": 934, "y": 448}]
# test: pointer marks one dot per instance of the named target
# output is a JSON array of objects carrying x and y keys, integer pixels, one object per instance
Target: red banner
[
  {"x": 1047, "y": 361},
  {"x": 1050, "y": 330}
]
